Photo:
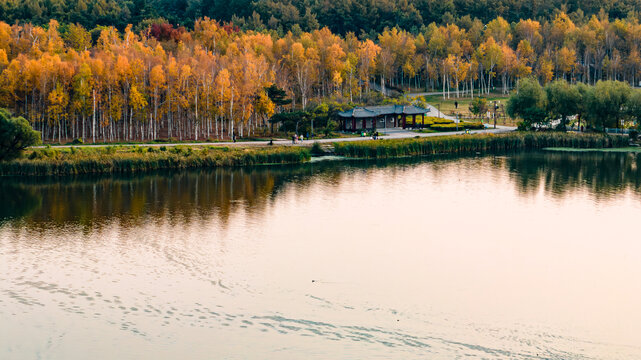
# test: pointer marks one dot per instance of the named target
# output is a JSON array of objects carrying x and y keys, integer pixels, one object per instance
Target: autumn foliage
[{"x": 211, "y": 82}]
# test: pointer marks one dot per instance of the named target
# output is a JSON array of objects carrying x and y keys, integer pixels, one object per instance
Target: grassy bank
[
  {"x": 448, "y": 106},
  {"x": 471, "y": 144},
  {"x": 117, "y": 159}
]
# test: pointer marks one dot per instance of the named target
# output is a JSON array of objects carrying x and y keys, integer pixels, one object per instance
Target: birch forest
[{"x": 210, "y": 81}]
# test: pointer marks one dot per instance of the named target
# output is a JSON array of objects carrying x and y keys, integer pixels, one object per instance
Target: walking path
[
  {"x": 436, "y": 113},
  {"x": 391, "y": 133},
  {"x": 434, "y": 93}
]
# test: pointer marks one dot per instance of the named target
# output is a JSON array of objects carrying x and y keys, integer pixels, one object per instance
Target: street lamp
[{"x": 496, "y": 107}]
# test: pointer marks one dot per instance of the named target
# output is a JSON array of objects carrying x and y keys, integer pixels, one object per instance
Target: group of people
[{"x": 297, "y": 138}]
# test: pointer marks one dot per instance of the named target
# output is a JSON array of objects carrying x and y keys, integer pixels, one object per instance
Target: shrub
[
  {"x": 36, "y": 154},
  {"x": 317, "y": 150},
  {"x": 479, "y": 106},
  {"x": 460, "y": 126},
  {"x": 77, "y": 142},
  {"x": 633, "y": 134},
  {"x": 441, "y": 121},
  {"x": 15, "y": 136},
  {"x": 473, "y": 125},
  {"x": 51, "y": 153},
  {"x": 428, "y": 121},
  {"x": 447, "y": 127}
]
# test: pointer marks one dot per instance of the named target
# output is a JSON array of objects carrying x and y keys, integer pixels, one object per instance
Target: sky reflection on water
[{"x": 516, "y": 257}]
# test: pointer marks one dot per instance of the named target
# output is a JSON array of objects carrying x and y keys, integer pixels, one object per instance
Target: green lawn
[{"x": 448, "y": 107}]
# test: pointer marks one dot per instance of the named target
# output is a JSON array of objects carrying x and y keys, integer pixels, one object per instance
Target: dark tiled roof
[
  {"x": 359, "y": 112},
  {"x": 374, "y": 111},
  {"x": 415, "y": 110}
]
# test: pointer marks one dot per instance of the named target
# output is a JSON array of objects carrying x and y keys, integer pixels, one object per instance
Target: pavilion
[{"x": 383, "y": 116}]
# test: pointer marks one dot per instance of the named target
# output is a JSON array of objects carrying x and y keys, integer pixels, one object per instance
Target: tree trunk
[{"x": 93, "y": 123}]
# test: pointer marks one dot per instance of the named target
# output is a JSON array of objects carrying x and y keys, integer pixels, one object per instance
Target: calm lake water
[{"x": 534, "y": 256}]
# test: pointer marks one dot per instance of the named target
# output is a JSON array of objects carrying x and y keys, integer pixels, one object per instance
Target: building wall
[{"x": 380, "y": 123}]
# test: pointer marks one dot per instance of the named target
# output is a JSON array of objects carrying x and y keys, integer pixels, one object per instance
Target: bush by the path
[
  {"x": 442, "y": 124},
  {"x": 459, "y": 126},
  {"x": 15, "y": 136}
]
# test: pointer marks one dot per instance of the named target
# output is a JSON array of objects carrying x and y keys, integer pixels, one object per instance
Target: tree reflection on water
[
  {"x": 561, "y": 174},
  {"x": 194, "y": 195}
]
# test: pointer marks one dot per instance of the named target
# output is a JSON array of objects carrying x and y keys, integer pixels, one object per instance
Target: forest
[
  {"x": 363, "y": 17},
  {"x": 217, "y": 80}
]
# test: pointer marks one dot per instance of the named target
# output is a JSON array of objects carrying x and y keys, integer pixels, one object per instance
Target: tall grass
[
  {"x": 471, "y": 144},
  {"x": 45, "y": 162}
]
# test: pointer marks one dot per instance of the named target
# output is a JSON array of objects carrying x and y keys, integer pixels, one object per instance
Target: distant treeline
[{"x": 341, "y": 16}]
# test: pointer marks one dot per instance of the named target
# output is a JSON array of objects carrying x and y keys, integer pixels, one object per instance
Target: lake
[{"x": 528, "y": 256}]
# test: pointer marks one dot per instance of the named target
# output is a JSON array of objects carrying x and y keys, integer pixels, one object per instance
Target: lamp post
[{"x": 495, "y": 108}]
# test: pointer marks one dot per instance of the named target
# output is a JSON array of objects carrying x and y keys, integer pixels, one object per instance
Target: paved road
[
  {"x": 433, "y": 93},
  {"x": 436, "y": 113},
  {"x": 393, "y": 133},
  {"x": 453, "y": 93}
]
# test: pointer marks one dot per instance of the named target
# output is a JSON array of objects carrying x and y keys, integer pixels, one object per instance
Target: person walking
[{"x": 293, "y": 139}]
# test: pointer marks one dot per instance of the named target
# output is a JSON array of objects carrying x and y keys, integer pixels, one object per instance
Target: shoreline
[
  {"x": 139, "y": 159},
  {"x": 628, "y": 149},
  {"x": 136, "y": 159},
  {"x": 478, "y": 144}
]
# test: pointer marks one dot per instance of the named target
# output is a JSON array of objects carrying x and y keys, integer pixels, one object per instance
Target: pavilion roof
[{"x": 381, "y": 110}]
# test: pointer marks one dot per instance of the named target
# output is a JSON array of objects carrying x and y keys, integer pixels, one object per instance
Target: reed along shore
[
  {"x": 472, "y": 144},
  {"x": 134, "y": 159}
]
